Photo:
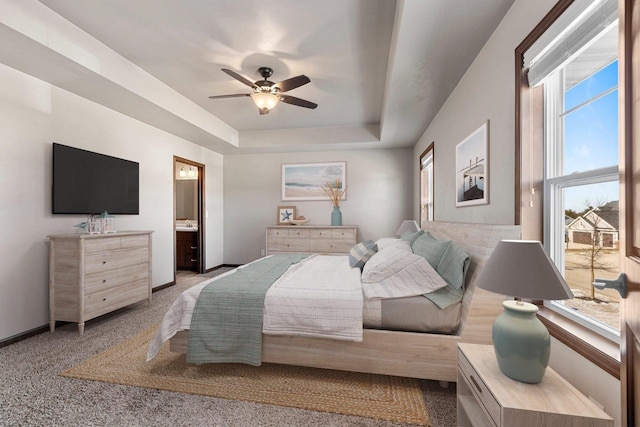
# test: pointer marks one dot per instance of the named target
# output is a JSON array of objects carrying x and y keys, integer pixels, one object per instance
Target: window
[
  {"x": 581, "y": 183},
  {"x": 567, "y": 174},
  {"x": 426, "y": 185}
]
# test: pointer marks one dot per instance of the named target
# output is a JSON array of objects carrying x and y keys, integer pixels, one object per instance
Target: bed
[{"x": 391, "y": 352}]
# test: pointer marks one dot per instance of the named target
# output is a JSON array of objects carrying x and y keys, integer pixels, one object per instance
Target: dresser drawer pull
[
  {"x": 104, "y": 299},
  {"x": 475, "y": 383},
  {"x": 104, "y": 262},
  {"x": 194, "y": 247},
  {"x": 104, "y": 280},
  {"x": 193, "y": 260}
]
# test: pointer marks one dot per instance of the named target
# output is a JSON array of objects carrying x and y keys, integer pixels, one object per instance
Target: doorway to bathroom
[{"x": 188, "y": 215}]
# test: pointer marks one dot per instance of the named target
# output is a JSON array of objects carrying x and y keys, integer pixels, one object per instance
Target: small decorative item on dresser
[
  {"x": 285, "y": 214},
  {"x": 335, "y": 192},
  {"x": 108, "y": 223}
]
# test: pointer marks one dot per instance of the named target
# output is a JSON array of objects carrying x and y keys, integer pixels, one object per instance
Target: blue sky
[{"x": 591, "y": 135}]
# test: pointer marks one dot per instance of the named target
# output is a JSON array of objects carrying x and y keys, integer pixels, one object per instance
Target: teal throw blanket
[{"x": 226, "y": 326}]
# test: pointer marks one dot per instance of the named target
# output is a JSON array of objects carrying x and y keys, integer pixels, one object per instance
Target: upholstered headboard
[{"x": 479, "y": 307}]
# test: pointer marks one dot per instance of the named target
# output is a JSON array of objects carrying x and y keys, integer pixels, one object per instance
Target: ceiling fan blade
[
  {"x": 292, "y": 83},
  {"x": 237, "y": 95},
  {"x": 297, "y": 101},
  {"x": 240, "y": 78}
]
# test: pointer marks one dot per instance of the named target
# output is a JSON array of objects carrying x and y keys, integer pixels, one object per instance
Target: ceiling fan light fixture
[{"x": 264, "y": 100}]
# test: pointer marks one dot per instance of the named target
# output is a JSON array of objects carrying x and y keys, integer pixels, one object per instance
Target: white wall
[
  {"x": 378, "y": 196},
  {"x": 33, "y": 114},
  {"x": 487, "y": 92}
]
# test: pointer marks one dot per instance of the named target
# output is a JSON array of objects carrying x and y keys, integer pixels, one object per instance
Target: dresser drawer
[
  {"x": 288, "y": 245},
  {"x": 107, "y": 279},
  {"x": 479, "y": 389},
  {"x": 345, "y": 233},
  {"x": 277, "y": 232},
  {"x": 103, "y": 244},
  {"x": 320, "y": 233},
  {"x": 299, "y": 232},
  {"x": 330, "y": 246},
  {"x": 112, "y": 260},
  {"x": 106, "y": 300}
]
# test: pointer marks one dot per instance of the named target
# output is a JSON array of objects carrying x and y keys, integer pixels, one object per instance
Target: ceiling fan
[{"x": 267, "y": 94}]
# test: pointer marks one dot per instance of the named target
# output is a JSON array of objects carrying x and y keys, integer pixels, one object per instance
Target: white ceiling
[{"x": 379, "y": 71}]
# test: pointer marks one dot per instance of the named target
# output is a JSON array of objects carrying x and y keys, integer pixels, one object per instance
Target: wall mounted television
[{"x": 88, "y": 183}]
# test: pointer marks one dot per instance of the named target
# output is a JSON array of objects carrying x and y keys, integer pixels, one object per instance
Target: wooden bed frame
[{"x": 406, "y": 354}]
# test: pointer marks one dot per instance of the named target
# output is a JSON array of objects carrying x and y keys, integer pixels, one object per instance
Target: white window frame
[
  {"x": 555, "y": 182},
  {"x": 426, "y": 168}
]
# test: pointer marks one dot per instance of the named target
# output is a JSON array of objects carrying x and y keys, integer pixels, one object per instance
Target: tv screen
[{"x": 90, "y": 183}]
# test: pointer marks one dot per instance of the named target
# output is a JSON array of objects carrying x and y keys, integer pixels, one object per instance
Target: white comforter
[{"x": 296, "y": 304}]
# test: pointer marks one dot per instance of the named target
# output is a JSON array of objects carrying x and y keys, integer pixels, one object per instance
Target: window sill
[{"x": 595, "y": 348}]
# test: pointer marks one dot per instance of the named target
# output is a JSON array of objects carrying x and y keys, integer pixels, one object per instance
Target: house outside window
[{"x": 575, "y": 62}]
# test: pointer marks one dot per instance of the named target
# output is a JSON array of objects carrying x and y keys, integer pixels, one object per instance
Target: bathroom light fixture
[
  {"x": 182, "y": 173},
  {"x": 191, "y": 173}
]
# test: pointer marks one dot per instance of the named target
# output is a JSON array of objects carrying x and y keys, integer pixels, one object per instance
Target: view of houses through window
[{"x": 581, "y": 180}]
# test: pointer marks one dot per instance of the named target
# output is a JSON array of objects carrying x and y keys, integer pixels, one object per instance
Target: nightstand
[{"x": 486, "y": 397}]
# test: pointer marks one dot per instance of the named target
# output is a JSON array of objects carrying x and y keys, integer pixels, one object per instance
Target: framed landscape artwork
[
  {"x": 304, "y": 181},
  {"x": 472, "y": 168}
]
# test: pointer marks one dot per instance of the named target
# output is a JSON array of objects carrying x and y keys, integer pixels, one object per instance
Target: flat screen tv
[{"x": 90, "y": 183}]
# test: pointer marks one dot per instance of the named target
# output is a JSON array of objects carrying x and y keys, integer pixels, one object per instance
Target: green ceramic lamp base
[{"x": 521, "y": 342}]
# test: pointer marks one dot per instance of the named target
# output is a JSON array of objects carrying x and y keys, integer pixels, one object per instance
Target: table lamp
[
  {"x": 522, "y": 269},
  {"x": 407, "y": 225}
]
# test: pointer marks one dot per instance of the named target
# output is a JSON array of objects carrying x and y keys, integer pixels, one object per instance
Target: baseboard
[
  {"x": 23, "y": 336},
  {"x": 209, "y": 270},
  {"x": 161, "y": 287}
]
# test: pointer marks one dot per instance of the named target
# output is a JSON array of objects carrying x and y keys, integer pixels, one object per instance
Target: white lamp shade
[
  {"x": 407, "y": 225},
  {"x": 522, "y": 269},
  {"x": 265, "y": 100}
]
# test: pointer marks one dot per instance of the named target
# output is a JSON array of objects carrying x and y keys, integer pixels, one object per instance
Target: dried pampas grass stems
[{"x": 335, "y": 192}]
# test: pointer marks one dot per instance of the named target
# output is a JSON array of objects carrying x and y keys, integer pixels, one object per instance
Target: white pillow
[
  {"x": 386, "y": 242},
  {"x": 388, "y": 261},
  {"x": 414, "y": 277}
]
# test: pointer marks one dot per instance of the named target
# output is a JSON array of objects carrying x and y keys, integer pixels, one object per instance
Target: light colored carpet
[
  {"x": 373, "y": 396},
  {"x": 32, "y": 393}
]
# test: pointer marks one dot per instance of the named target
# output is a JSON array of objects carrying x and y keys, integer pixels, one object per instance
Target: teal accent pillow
[
  {"x": 361, "y": 253},
  {"x": 411, "y": 236},
  {"x": 431, "y": 249},
  {"x": 453, "y": 266}
]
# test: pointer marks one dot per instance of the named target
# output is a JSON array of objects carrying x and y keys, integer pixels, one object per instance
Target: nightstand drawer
[{"x": 479, "y": 389}]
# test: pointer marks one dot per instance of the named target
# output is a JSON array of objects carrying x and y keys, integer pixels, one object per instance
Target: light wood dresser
[
  {"x": 486, "y": 397},
  {"x": 94, "y": 274},
  {"x": 311, "y": 239}
]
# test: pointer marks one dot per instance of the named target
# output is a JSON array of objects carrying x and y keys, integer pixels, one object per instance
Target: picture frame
[
  {"x": 304, "y": 181},
  {"x": 472, "y": 168},
  {"x": 285, "y": 213}
]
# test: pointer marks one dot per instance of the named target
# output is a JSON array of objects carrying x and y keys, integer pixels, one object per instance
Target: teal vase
[
  {"x": 336, "y": 216},
  {"x": 521, "y": 342}
]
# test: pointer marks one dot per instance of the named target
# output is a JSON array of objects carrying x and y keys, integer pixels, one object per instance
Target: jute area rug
[{"x": 364, "y": 395}]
